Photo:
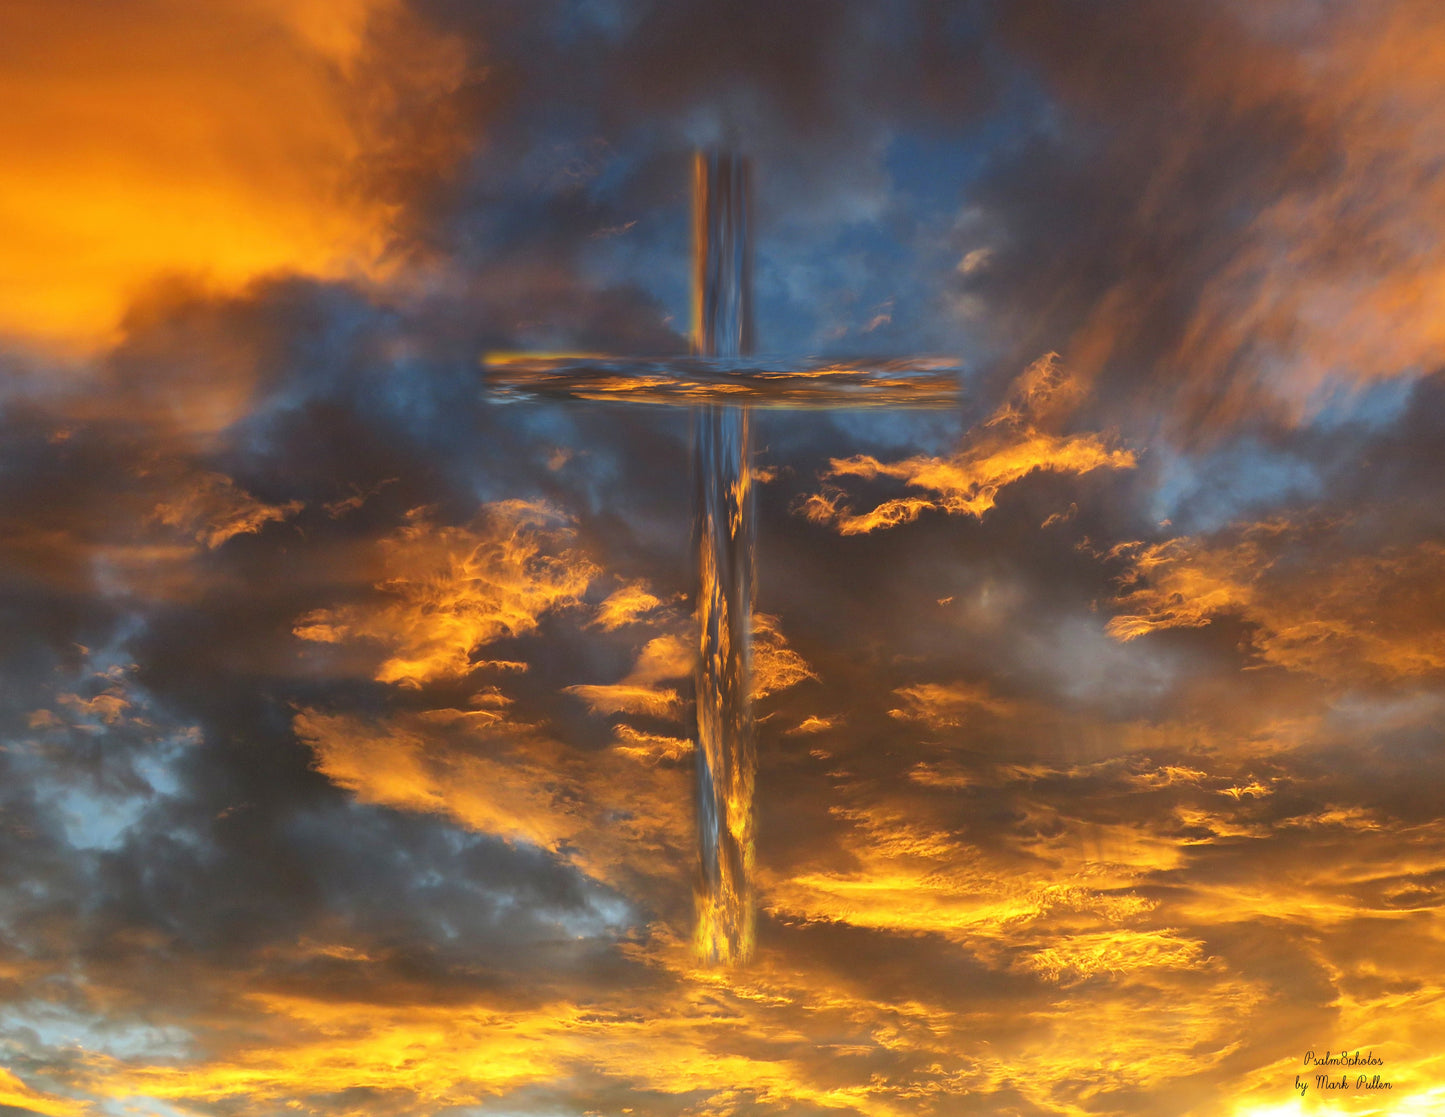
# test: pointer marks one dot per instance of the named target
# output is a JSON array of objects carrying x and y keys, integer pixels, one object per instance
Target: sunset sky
[{"x": 346, "y": 724}]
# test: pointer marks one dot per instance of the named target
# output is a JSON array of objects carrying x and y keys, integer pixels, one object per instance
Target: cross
[{"x": 722, "y": 382}]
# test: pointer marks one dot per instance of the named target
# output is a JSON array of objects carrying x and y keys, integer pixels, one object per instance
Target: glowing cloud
[
  {"x": 663, "y": 658},
  {"x": 450, "y": 591},
  {"x": 1311, "y": 610},
  {"x": 497, "y": 776},
  {"x": 941, "y": 706},
  {"x": 1010, "y": 447},
  {"x": 214, "y": 508},
  {"x": 650, "y": 747},
  {"x": 626, "y": 606},
  {"x": 510, "y": 790},
  {"x": 14, "y": 1092},
  {"x": 776, "y": 666},
  {"x": 218, "y": 144},
  {"x": 1341, "y": 281}
]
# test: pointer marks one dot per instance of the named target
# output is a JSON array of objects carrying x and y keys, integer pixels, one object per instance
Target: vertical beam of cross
[{"x": 726, "y": 749}]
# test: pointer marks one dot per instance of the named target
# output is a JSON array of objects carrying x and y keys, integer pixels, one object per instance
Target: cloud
[
  {"x": 158, "y": 142},
  {"x": 1220, "y": 236},
  {"x": 1311, "y": 605},
  {"x": 651, "y": 747},
  {"x": 14, "y": 1092},
  {"x": 776, "y": 666},
  {"x": 213, "y": 507},
  {"x": 813, "y": 724},
  {"x": 1114, "y": 952},
  {"x": 450, "y": 591},
  {"x": 625, "y": 606},
  {"x": 500, "y": 777},
  {"x": 662, "y": 658},
  {"x": 1010, "y": 447},
  {"x": 942, "y": 706},
  {"x": 408, "y": 766}
]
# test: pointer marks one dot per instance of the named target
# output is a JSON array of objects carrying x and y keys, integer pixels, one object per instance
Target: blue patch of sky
[
  {"x": 95, "y": 822},
  {"x": 58, "y": 1028},
  {"x": 100, "y": 815},
  {"x": 1373, "y": 406},
  {"x": 1242, "y": 480},
  {"x": 896, "y": 263},
  {"x": 930, "y": 172},
  {"x": 580, "y": 23},
  {"x": 817, "y": 291},
  {"x": 136, "y": 1105},
  {"x": 543, "y": 427},
  {"x": 140, "y": 747},
  {"x": 871, "y": 285}
]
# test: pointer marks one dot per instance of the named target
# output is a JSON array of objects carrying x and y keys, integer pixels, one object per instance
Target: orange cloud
[
  {"x": 1361, "y": 616},
  {"x": 1332, "y": 274},
  {"x": 615, "y": 818},
  {"x": 776, "y": 666},
  {"x": 1113, "y": 952},
  {"x": 1088, "y": 992},
  {"x": 510, "y": 791},
  {"x": 14, "y": 1092},
  {"x": 214, "y": 508},
  {"x": 626, "y": 606},
  {"x": 940, "y": 706},
  {"x": 814, "y": 724},
  {"x": 109, "y": 707},
  {"x": 217, "y": 143},
  {"x": 1347, "y": 280},
  {"x": 1012, "y": 445},
  {"x": 428, "y": 1057},
  {"x": 650, "y": 747},
  {"x": 1067, "y": 926},
  {"x": 450, "y": 591},
  {"x": 662, "y": 658},
  {"x": 916, "y": 881}
]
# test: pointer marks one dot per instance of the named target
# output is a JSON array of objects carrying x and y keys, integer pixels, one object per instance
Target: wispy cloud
[{"x": 1009, "y": 447}]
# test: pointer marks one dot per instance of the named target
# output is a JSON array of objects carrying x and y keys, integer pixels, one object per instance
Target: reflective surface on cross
[
  {"x": 726, "y": 532},
  {"x": 771, "y": 382}
]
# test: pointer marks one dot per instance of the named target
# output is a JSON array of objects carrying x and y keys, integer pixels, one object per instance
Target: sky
[{"x": 346, "y": 723}]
